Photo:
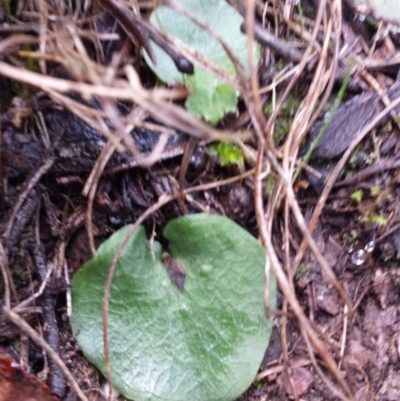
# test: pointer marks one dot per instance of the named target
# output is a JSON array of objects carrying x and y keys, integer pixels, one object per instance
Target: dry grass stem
[
  {"x": 336, "y": 171},
  {"x": 7, "y": 277},
  {"x": 28, "y": 330},
  {"x": 163, "y": 200},
  {"x": 23, "y": 196}
]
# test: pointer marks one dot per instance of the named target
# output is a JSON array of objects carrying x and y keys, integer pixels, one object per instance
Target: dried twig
[
  {"x": 28, "y": 330},
  {"x": 163, "y": 200},
  {"x": 57, "y": 381},
  {"x": 23, "y": 196}
]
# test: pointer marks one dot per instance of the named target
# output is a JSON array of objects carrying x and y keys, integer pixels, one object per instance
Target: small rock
[
  {"x": 327, "y": 300},
  {"x": 301, "y": 378},
  {"x": 359, "y": 352}
]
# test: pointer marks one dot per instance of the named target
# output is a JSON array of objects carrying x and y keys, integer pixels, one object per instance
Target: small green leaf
[
  {"x": 375, "y": 191},
  {"x": 228, "y": 153},
  {"x": 7, "y": 7},
  {"x": 210, "y": 98},
  {"x": 202, "y": 339},
  {"x": 357, "y": 195},
  {"x": 376, "y": 218}
]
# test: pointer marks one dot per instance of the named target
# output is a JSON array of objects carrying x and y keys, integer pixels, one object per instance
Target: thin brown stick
[
  {"x": 201, "y": 61},
  {"x": 278, "y": 369},
  {"x": 300, "y": 67},
  {"x": 22, "y": 197},
  {"x": 93, "y": 180},
  {"x": 163, "y": 200},
  {"x": 337, "y": 25},
  {"x": 38, "y": 293},
  {"x": 249, "y": 24},
  {"x": 320, "y": 372},
  {"x": 28, "y": 330},
  {"x": 278, "y": 45},
  {"x": 151, "y": 100},
  {"x": 5, "y": 271},
  {"x": 220, "y": 183},
  {"x": 284, "y": 283}
]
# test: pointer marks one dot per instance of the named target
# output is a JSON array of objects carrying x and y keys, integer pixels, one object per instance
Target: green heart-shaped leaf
[
  {"x": 202, "y": 343},
  {"x": 210, "y": 98}
]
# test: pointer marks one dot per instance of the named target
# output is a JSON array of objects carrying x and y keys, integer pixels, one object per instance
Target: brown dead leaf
[
  {"x": 17, "y": 385},
  {"x": 301, "y": 378}
]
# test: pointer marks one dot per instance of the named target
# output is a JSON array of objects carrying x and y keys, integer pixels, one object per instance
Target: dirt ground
[{"x": 59, "y": 169}]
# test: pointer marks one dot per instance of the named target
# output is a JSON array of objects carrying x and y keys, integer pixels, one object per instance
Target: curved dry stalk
[
  {"x": 122, "y": 133},
  {"x": 282, "y": 76},
  {"x": 163, "y": 200},
  {"x": 7, "y": 278},
  {"x": 30, "y": 332},
  {"x": 284, "y": 283},
  {"x": 92, "y": 181},
  {"x": 288, "y": 163},
  {"x": 298, "y": 129},
  {"x": 250, "y": 93},
  {"x": 299, "y": 69},
  {"x": 295, "y": 135},
  {"x": 255, "y": 100},
  {"x": 313, "y": 246},
  {"x": 250, "y": 100},
  {"x": 44, "y": 15},
  {"x": 279, "y": 46},
  {"x": 152, "y": 100},
  {"x": 321, "y": 374},
  {"x": 22, "y": 197},
  {"x": 91, "y": 185},
  {"x": 336, "y": 14},
  {"x": 285, "y": 353},
  {"x": 220, "y": 183},
  {"x": 278, "y": 369},
  {"x": 291, "y": 149},
  {"x": 96, "y": 118},
  {"x": 16, "y": 40},
  {"x": 38, "y": 293},
  {"x": 201, "y": 61}
]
